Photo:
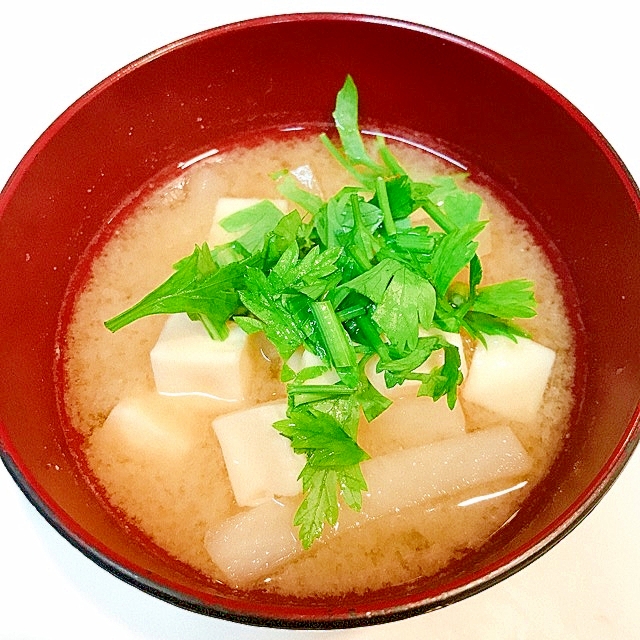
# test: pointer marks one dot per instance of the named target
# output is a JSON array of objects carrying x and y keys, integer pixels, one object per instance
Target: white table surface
[{"x": 52, "y": 51}]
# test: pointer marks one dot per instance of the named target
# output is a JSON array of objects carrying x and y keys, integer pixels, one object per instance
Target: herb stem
[
  {"x": 372, "y": 335},
  {"x": 388, "y": 158},
  {"x": 383, "y": 201},
  {"x": 336, "y": 342},
  {"x": 351, "y": 312},
  {"x": 433, "y": 210},
  {"x": 332, "y": 149}
]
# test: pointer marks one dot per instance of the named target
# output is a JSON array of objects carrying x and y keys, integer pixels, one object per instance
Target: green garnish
[{"x": 348, "y": 279}]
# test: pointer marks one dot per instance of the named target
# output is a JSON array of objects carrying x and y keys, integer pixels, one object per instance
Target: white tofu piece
[
  {"x": 251, "y": 543},
  {"x": 187, "y": 361},
  {"x": 225, "y": 207},
  {"x": 260, "y": 461},
  {"x": 301, "y": 359},
  {"x": 409, "y": 387},
  {"x": 148, "y": 427},
  {"x": 411, "y": 422},
  {"x": 509, "y": 377}
]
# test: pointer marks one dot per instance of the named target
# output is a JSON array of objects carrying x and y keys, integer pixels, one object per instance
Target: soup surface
[{"x": 177, "y": 499}]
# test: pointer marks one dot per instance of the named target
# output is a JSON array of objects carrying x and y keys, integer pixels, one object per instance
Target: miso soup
[{"x": 168, "y": 478}]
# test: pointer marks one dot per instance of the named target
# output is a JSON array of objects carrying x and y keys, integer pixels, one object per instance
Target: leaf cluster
[{"x": 348, "y": 279}]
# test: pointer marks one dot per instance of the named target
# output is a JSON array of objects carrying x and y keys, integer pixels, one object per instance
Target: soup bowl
[{"x": 233, "y": 83}]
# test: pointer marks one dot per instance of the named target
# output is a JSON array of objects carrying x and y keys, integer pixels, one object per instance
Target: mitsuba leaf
[
  {"x": 290, "y": 189},
  {"x": 352, "y": 484},
  {"x": 345, "y": 117},
  {"x": 511, "y": 299},
  {"x": 199, "y": 288},
  {"x": 408, "y": 303},
  {"x": 374, "y": 282},
  {"x": 480, "y": 324},
  {"x": 444, "y": 380},
  {"x": 333, "y": 458},
  {"x": 453, "y": 253},
  {"x": 372, "y": 402},
  {"x": 321, "y": 438},
  {"x": 461, "y": 207},
  {"x": 399, "y": 195},
  {"x": 268, "y": 307},
  {"x": 256, "y": 221},
  {"x": 319, "y": 505}
]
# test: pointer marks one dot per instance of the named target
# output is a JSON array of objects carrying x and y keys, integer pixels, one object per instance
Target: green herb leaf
[
  {"x": 256, "y": 221},
  {"x": 407, "y": 304},
  {"x": 346, "y": 120},
  {"x": 333, "y": 457},
  {"x": 289, "y": 188},
  {"x": 511, "y": 299},
  {"x": 269, "y": 308},
  {"x": 452, "y": 254},
  {"x": 319, "y": 505},
  {"x": 461, "y": 207},
  {"x": 198, "y": 287},
  {"x": 346, "y": 279}
]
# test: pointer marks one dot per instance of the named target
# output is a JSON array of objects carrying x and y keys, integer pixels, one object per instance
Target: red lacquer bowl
[{"x": 229, "y": 84}]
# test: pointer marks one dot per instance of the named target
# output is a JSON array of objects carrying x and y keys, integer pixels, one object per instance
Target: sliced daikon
[
  {"x": 443, "y": 468},
  {"x": 253, "y": 542},
  {"x": 260, "y": 461},
  {"x": 187, "y": 361},
  {"x": 509, "y": 377}
]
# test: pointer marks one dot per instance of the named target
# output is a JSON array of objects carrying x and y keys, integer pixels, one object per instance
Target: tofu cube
[
  {"x": 301, "y": 359},
  {"x": 225, "y": 207},
  {"x": 146, "y": 427},
  {"x": 260, "y": 461},
  {"x": 411, "y": 422},
  {"x": 187, "y": 361},
  {"x": 509, "y": 377}
]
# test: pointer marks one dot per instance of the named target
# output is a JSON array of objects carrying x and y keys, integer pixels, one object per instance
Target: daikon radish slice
[
  {"x": 509, "y": 377},
  {"x": 251, "y": 543},
  {"x": 443, "y": 468},
  {"x": 260, "y": 461},
  {"x": 187, "y": 361}
]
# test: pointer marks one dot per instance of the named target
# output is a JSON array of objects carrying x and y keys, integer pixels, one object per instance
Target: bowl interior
[{"x": 226, "y": 85}]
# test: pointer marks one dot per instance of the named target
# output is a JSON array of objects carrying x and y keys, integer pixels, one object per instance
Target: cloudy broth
[{"x": 175, "y": 503}]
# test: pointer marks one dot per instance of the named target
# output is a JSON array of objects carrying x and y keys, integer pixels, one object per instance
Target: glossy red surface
[{"x": 228, "y": 84}]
